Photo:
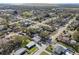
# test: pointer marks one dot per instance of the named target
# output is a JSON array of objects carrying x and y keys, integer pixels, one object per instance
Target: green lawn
[
  {"x": 1, "y": 33},
  {"x": 44, "y": 53},
  {"x": 64, "y": 44},
  {"x": 49, "y": 49},
  {"x": 32, "y": 50}
]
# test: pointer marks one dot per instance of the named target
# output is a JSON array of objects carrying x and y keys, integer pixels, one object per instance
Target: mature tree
[
  {"x": 23, "y": 39},
  {"x": 77, "y": 18},
  {"x": 44, "y": 34},
  {"x": 77, "y": 28},
  {"x": 10, "y": 46},
  {"x": 26, "y": 14},
  {"x": 76, "y": 36}
]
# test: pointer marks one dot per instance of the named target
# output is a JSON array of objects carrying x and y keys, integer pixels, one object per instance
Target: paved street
[{"x": 41, "y": 49}]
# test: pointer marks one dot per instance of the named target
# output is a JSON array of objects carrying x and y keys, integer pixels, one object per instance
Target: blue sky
[{"x": 39, "y": 1}]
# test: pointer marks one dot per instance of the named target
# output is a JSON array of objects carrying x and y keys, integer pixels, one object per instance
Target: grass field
[
  {"x": 44, "y": 53},
  {"x": 49, "y": 49}
]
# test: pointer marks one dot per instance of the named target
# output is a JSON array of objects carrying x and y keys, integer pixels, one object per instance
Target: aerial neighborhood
[{"x": 39, "y": 30}]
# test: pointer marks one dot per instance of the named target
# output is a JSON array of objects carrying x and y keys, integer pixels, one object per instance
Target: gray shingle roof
[
  {"x": 20, "y": 51},
  {"x": 36, "y": 38}
]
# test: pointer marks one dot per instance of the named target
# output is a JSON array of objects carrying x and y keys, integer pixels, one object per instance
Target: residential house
[
  {"x": 36, "y": 38},
  {"x": 30, "y": 45},
  {"x": 62, "y": 50},
  {"x": 21, "y": 51},
  {"x": 73, "y": 42},
  {"x": 26, "y": 23}
]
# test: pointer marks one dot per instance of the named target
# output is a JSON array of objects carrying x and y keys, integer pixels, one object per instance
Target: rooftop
[
  {"x": 30, "y": 44},
  {"x": 20, "y": 51}
]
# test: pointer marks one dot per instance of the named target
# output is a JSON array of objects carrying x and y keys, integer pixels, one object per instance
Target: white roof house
[
  {"x": 36, "y": 38},
  {"x": 29, "y": 45},
  {"x": 73, "y": 42}
]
